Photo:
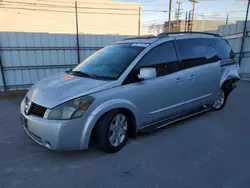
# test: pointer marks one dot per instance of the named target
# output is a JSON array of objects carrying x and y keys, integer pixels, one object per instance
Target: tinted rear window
[{"x": 195, "y": 52}]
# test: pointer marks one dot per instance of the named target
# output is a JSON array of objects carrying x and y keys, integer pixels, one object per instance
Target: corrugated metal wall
[{"x": 29, "y": 57}]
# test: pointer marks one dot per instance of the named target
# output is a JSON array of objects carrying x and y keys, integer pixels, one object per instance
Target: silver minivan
[{"x": 138, "y": 84}]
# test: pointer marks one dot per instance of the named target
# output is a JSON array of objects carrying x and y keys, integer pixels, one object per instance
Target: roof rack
[
  {"x": 141, "y": 37},
  {"x": 162, "y": 35}
]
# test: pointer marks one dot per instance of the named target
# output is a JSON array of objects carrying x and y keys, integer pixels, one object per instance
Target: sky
[{"x": 216, "y": 9}]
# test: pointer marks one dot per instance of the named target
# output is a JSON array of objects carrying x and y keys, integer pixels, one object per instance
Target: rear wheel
[
  {"x": 112, "y": 131},
  {"x": 221, "y": 101}
]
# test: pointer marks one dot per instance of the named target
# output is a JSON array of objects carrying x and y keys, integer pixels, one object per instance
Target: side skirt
[{"x": 154, "y": 126}]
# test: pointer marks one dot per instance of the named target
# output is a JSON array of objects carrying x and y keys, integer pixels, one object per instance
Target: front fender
[{"x": 102, "y": 109}]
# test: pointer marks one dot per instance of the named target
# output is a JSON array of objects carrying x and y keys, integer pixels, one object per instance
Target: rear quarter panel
[{"x": 229, "y": 72}]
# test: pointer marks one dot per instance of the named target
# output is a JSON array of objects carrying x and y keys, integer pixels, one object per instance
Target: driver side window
[{"x": 162, "y": 57}]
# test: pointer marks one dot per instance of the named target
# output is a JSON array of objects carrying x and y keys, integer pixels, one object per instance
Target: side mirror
[{"x": 147, "y": 73}]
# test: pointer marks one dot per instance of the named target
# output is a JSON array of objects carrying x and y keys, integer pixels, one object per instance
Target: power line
[
  {"x": 8, "y": 3},
  {"x": 72, "y": 2},
  {"x": 64, "y": 11},
  {"x": 69, "y": 24},
  {"x": 47, "y": 18},
  {"x": 56, "y": 1},
  {"x": 150, "y": 22},
  {"x": 50, "y": 10},
  {"x": 64, "y": 6},
  {"x": 150, "y": 3},
  {"x": 79, "y": 7}
]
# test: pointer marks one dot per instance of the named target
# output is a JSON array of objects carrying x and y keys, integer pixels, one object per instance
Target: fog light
[{"x": 47, "y": 145}]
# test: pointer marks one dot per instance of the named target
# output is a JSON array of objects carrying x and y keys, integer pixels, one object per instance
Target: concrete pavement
[{"x": 208, "y": 151}]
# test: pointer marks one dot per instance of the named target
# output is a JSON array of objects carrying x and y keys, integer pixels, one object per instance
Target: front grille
[{"x": 37, "y": 110}]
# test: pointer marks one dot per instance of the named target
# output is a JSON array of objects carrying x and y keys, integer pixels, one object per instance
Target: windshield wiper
[
  {"x": 79, "y": 73},
  {"x": 83, "y": 74}
]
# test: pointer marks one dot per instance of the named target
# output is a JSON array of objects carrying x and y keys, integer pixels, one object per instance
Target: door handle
[
  {"x": 178, "y": 81},
  {"x": 191, "y": 77}
]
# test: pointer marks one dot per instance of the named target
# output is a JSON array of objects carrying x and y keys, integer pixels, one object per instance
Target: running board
[{"x": 153, "y": 127}]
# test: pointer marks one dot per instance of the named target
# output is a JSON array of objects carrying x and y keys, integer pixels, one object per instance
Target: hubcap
[
  {"x": 118, "y": 130},
  {"x": 217, "y": 104}
]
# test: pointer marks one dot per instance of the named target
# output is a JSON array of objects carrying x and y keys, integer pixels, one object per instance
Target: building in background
[
  {"x": 179, "y": 25},
  {"x": 153, "y": 29},
  {"x": 94, "y": 16}
]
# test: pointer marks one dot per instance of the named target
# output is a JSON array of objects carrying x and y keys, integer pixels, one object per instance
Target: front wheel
[
  {"x": 112, "y": 131},
  {"x": 221, "y": 101}
]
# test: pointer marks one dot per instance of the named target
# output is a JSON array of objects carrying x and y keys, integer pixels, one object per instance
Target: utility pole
[
  {"x": 139, "y": 22},
  {"x": 189, "y": 26},
  {"x": 244, "y": 34},
  {"x": 77, "y": 35},
  {"x": 193, "y": 10},
  {"x": 205, "y": 12},
  {"x": 186, "y": 19},
  {"x": 178, "y": 10},
  {"x": 169, "y": 15}
]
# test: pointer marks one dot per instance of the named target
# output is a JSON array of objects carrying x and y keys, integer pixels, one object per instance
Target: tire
[
  {"x": 108, "y": 131},
  {"x": 220, "y": 103}
]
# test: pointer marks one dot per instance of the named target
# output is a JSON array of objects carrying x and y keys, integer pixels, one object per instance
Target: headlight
[{"x": 71, "y": 109}]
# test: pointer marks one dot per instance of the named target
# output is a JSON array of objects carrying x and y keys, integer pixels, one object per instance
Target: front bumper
[{"x": 54, "y": 134}]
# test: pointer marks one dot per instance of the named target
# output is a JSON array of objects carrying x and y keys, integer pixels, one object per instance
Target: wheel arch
[
  {"x": 127, "y": 107},
  {"x": 229, "y": 74},
  {"x": 227, "y": 85},
  {"x": 131, "y": 117}
]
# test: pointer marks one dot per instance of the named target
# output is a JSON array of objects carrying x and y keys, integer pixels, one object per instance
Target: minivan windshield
[{"x": 109, "y": 62}]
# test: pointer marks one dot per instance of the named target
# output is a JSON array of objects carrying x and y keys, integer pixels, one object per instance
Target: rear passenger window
[
  {"x": 196, "y": 52},
  {"x": 162, "y": 57}
]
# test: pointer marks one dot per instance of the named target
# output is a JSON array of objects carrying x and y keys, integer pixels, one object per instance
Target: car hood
[{"x": 54, "y": 90}]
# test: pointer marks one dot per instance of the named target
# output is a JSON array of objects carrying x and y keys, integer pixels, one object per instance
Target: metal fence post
[
  {"x": 186, "y": 19},
  {"x": 2, "y": 72},
  {"x": 77, "y": 35},
  {"x": 244, "y": 34},
  {"x": 139, "y": 22},
  {"x": 227, "y": 19}
]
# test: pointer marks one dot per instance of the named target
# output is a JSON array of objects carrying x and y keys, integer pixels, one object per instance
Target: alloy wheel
[
  {"x": 118, "y": 129},
  {"x": 219, "y": 103}
]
